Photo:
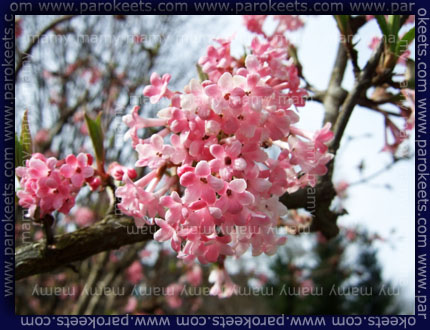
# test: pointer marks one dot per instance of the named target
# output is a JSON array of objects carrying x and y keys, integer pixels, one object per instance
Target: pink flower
[
  {"x": 173, "y": 292},
  {"x": 158, "y": 88},
  {"x": 288, "y": 23},
  {"x": 194, "y": 275},
  {"x": 167, "y": 232},
  {"x": 234, "y": 196},
  {"x": 201, "y": 184},
  {"x": 18, "y": 28},
  {"x": 374, "y": 43},
  {"x": 134, "y": 120},
  {"x": 41, "y": 136},
  {"x": 227, "y": 159},
  {"x": 351, "y": 234},
  {"x": 217, "y": 59},
  {"x": 155, "y": 153},
  {"x": 131, "y": 305},
  {"x": 53, "y": 193},
  {"x": 214, "y": 186},
  {"x": 84, "y": 216},
  {"x": 43, "y": 186},
  {"x": 307, "y": 285},
  {"x": 213, "y": 249},
  {"x": 398, "y": 136},
  {"x": 94, "y": 182},
  {"x": 176, "y": 210},
  {"x": 341, "y": 188},
  {"x": 77, "y": 169},
  {"x": 254, "y": 23},
  {"x": 410, "y": 20},
  {"x": 118, "y": 171},
  {"x": 404, "y": 57},
  {"x": 136, "y": 202},
  {"x": 322, "y": 137},
  {"x": 134, "y": 273},
  {"x": 223, "y": 285},
  {"x": 311, "y": 160}
]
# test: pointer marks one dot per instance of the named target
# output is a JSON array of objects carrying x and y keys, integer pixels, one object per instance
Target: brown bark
[{"x": 111, "y": 233}]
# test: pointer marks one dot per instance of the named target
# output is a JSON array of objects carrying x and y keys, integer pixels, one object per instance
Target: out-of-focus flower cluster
[{"x": 233, "y": 151}]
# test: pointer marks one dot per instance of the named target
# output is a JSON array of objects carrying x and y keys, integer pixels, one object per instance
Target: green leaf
[
  {"x": 202, "y": 76},
  {"x": 405, "y": 42},
  {"x": 394, "y": 23},
  {"x": 343, "y": 23},
  {"x": 394, "y": 27},
  {"x": 383, "y": 25},
  {"x": 96, "y": 135},
  {"x": 25, "y": 138},
  {"x": 18, "y": 152}
]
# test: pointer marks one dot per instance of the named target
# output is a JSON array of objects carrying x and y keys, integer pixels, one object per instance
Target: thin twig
[
  {"x": 23, "y": 57},
  {"x": 380, "y": 171}
]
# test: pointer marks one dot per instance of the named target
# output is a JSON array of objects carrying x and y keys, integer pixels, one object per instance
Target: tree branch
[
  {"x": 23, "y": 57},
  {"x": 381, "y": 170},
  {"x": 318, "y": 200},
  {"x": 117, "y": 269},
  {"x": 363, "y": 82},
  {"x": 96, "y": 272},
  {"x": 335, "y": 95},
  {"x": 109, "y": 234}
]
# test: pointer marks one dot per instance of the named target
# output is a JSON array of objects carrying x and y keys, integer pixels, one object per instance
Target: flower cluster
[
  {"x": 49, "y": 185},
  {"x": 192, "y": 276},
  {"x": 254, "y": 23},
  {"x": 234, "y": 150}
]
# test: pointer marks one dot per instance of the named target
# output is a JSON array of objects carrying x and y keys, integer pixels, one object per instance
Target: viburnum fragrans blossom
[
  {"x": 49, "y": 185},
  {"x": 254, "y": 23},
  {"x": 77, "y": 169},
  {"x": 135, "y": 272},
  {"x": 218, "y": 59},
  {"x": 223, "y": 286},
  {"x": 158, "y": 87},
  {"x": 84, "y": 216},
  {"x": 227, "y": 150},
  {"x": 192, "y": 276},
  {"x": 118, "y": 171}
]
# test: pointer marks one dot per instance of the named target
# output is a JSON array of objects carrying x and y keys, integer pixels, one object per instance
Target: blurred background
[{"x": 101, "y": 63}]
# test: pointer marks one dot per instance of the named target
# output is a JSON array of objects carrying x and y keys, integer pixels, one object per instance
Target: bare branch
[
  {"x": 35, "y": 40},
  {"x": 109, "y": 234},
  {"x": 381, "y": 170},
  {"x": 335, "y": 95},
  {"x": 363, "y": 82}
]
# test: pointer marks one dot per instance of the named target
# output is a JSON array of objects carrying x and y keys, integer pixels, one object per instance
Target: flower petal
[
  {"x": 238, "y": 185},
  {"x": 203, "y": 169},
  {"x": 187, "y": 179}
]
